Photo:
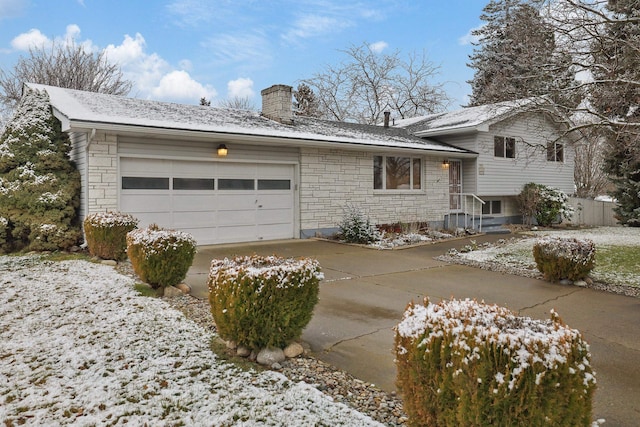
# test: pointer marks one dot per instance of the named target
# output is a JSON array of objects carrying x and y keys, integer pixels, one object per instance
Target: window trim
[
  {"x": 383, "y": 177},
  {"x": 555, "y": 152},
  {"x": 504, "y": 141}
]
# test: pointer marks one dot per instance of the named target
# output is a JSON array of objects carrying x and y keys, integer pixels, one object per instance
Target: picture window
[{"x": 397, "y": 173}]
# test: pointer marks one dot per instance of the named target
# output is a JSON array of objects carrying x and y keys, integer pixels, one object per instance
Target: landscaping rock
[
  {"x": 109, "y": 262},
  {"x": 171, "y": 291},
  {"x": 269, "y": 356},
  {"x": 293, "y": 350},
  {"x": 232, "y": 345},
  {"x": 186, "y": 289},
  {"x": 566, "y": 282},
  {"x": 243, "y": 351}
]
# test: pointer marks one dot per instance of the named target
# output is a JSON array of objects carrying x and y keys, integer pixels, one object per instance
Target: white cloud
[
  {"x": 251, "y": 50},
  {"x": 469, "y": 38},
  {"x": 309, "y": 26},
  {"x": 378, "y": 47},
  {"x": 186, "y": 65},
  {"x": 31, "y": 39},
  {"x": 35, "y": 39},
  {"x": 240, "y": 88},
  {"x": 180, "y": 86}
]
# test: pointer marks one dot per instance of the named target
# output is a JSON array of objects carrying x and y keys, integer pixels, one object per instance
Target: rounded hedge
[
  {"x": 560, "y": 258},
  {"x": 106, "y": 234},
  {"x": 469, "y": 363},
  {"x": 261, "y": 302},
  {"x": 160, "y": 257}
]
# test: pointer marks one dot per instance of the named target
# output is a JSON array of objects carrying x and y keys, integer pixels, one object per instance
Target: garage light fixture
[{"x": 222, "y": 150}]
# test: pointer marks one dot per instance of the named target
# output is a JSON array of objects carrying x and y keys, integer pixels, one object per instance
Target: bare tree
[
  {"x": 65, "y": 65},
  {"x": 590, "y": 178},
  {"x": 368, "y": 83},
  {"x": 238, "y": 103}
]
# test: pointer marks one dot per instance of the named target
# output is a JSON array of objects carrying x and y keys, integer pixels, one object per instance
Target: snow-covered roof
[
  {"x": 89, "y": 110},
  {"x": 470, "y": 119}
]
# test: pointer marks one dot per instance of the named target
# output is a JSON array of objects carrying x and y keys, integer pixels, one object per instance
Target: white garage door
[{"x": 215, "y": 202}]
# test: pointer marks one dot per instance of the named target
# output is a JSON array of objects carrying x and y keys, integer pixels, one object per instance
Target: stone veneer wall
[
  {"x": 330, "y": 179},
  {"x": 102, "y": 176}
]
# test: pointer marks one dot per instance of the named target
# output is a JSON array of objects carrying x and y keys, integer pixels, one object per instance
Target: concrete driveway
[{"x": 365, "y": 292}]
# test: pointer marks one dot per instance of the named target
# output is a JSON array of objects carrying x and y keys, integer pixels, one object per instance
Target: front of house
[
  {"x": 227, "y": 175},
  {"x": 279, "y": 176}
]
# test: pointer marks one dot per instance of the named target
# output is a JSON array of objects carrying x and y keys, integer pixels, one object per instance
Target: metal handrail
[{"x": 464, "y": 197}]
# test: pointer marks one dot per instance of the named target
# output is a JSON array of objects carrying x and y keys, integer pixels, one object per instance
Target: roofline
[
  {"x": 452, "y": 130},
  {"x": 160, "y": 131}
]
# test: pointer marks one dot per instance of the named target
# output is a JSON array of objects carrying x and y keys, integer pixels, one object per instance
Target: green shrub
[
  {"x": 39, "y": 184},
  {"x": 564, "y": 258},
  {"x": 106, "y": 234},
  {"x": 5, "y": 245},
  {"x": 160, "y": 257},
  {"x": 261, "y": 302},
  {"x": 464, "y": 363},
  {"x": 356, "y": 227},
  {"x": 547, "y": 205}
]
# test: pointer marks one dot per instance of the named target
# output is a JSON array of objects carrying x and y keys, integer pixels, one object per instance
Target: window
[
  {"x": 492, "y": 207},
  {"x": 397, "y": 173},
  {"x": 193, "y": 183},
  {"x": 274, "y": 184},
  {"x": 144, "y": 183},
  {"x": 555, "y": 152},
  {"x": 236, "y": 184},
  {"x": 504, "y": 147}
]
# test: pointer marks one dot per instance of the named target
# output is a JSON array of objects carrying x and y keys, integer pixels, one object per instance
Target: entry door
[{"x": 455, "y": 185}]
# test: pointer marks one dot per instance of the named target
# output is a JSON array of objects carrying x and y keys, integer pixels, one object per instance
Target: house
[
  {"x": 228, "y": 175},
  {"x": 517, "y": 142}
]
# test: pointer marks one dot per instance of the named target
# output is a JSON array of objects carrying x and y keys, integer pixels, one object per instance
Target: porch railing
[{"x": 469, "y": 206}]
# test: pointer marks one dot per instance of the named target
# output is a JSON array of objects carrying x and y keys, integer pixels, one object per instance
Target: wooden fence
[{"x": 592, "y": 212}]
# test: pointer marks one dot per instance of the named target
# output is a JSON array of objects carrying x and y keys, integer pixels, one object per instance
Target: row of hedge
[{"x": 159, "y": 257}]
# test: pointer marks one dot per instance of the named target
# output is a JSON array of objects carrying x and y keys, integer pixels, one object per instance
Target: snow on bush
[
  {"x": 564, "y": 258},
  {"x": 547, "y": 205},
  {"x": 160, "y": 257},
  {"x": 39, "y": 185},
  {"x": 356, "y": 227},
  {"x": 106, "y": 234},
  {"x": 261, "y": 302},
  {"x": 461, "y": 362}
]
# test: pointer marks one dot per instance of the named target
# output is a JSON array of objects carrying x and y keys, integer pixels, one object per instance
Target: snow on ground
[
  {"x": 79, "y": 346},
  {"x": 519, "y": 253}
]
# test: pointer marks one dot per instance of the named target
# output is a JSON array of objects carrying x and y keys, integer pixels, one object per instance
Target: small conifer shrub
[
  {"x": 261, "y": 302},
  {"x": 564, "y": 258},
  {"x": 463, "y": 363},
  {"x": 106, "y": 234},
  {"x": 356, "y": 226},
  {"x": 160, "y": 257}
]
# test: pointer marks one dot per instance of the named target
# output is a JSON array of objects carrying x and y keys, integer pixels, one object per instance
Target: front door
[{"x": 455, "y": 185}]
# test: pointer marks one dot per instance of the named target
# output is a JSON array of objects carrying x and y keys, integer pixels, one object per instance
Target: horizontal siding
[
  {"x": 204, "y": 150},
  {"x": 78, "y": 155},
  {"x": 469, "y": 166},
  {"x": 506, "y": 177}
]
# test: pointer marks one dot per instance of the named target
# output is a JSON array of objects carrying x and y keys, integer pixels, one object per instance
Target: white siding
[
  {"x": 506, "y": 177},
  {"x": 78, "y": 155}
]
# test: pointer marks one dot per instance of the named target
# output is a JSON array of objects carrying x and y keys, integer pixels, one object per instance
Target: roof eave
[
  {"x": 483, "y": 127},
  {"x": 164, "y": 132}
]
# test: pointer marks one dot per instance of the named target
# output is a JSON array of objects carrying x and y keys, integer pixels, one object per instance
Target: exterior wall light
[
  {"x": 222, "y": 150},
  {"x": 445, "y": 164}
]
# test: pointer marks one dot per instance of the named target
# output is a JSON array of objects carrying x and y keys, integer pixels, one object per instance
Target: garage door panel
[
  {"x": 193, "y": 219},
  {"x": 275, "y": 200},
  {"x": 136, "y": 202},
  {"x": 163, "y": 219},
  {"x": 194, "y": 202},
  {"x": 273, "y": 231},
  {"x": 141, "y": 167},
  {"x": 227, "y": 234},
  {"x": 245, "y": 218},
  {"x": 237, "y": 201}
]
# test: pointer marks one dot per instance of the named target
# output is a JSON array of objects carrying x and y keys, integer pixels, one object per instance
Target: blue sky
[{"x": 180, "y": 50}]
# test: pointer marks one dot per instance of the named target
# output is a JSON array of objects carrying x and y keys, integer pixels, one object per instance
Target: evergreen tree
[
  {"x": 39, "y": 185},
  {"x": 516, "y": 55},
  {"x": 616, "y": 95},
  {"x": 305, "y": 103}
]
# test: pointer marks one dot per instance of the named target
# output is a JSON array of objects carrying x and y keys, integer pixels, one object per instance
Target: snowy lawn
[
  {"x": 617, "y": 253},
  {"x": 79, "y": 346}
]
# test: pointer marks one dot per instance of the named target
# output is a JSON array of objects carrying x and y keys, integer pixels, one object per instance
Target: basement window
[
  {"x": 492, "y": 207},
  {"x": 397, "y": 173}
]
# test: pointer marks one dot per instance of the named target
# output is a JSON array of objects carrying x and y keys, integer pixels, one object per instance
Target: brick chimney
[
  {"x": 276, "y": 103},
  {"x": 387, "y": 114}
]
